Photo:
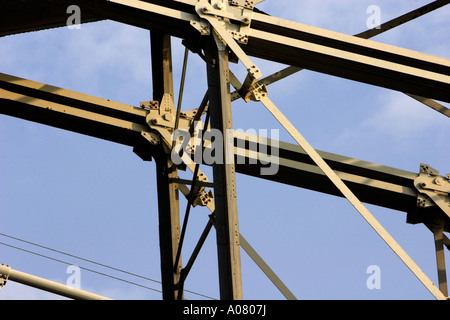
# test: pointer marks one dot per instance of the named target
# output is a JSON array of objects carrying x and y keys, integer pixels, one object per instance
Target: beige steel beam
[
  {"x": 370, "y": 34},
  {"x": 168, "y": 194},
  {"x": 350, "y": 57},
  {"x": 269, "y": 38},
  {"x": 438, "y": 232},
  {"x": 73, "y": 111},
  {"x": 372, "y": 183},
  {"x": 225, "y": 194},
  {"x": 298, "y": 45},
  {"x": 124, "y": 124},
  {"x": 9, "y": 274}
]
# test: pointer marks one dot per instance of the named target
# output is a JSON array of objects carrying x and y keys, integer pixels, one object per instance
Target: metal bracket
[
  {"x": 190, "y": 115},
  {"x": 247, "y": 4},
  {"x": 424, "y": 201},
  {"x": 255, "y": 93},
  {"x": 162, "y": 114},
  {"x": 201, "y": 197},
  {"x": 433, "y": 188},
  {"x": 202, "y": 27},
  {"x": 227, "y": 37},
  {"x": 161, "y": 118},
  {"x": 166, "y": 135},
  {"x": 4, "y": 277},
  {"x": 425, "y": 168}
]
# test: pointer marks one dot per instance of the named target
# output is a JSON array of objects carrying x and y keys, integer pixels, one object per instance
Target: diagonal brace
[{"x": 318, "y": 160}]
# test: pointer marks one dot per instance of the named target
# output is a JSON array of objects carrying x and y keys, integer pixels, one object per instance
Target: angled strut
[{"x": 318, "y": 160}]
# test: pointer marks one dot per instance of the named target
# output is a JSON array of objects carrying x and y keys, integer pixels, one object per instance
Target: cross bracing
[{"x": 268, "y": 38}]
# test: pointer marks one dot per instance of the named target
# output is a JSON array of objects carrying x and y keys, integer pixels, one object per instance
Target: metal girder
[
  {"x": 270, "y": 38},
  {"x": 296, "y": 44},
  {"x": 349, "y": 57},
  {"x": 73, "y": 111},
  {"x": 372, "y": 183},
  {"x": 370, "y": 34},
  {"x": 438, "y": 233},
  {"x": 168, "y": 193},
  {"x": 120, "y": 123}
]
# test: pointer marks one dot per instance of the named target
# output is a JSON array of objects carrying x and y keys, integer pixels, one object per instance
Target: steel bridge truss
[{"x": 221, "y": 31}]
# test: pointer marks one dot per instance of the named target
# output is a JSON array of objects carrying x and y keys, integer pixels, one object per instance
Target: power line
[
  {"x": 84, "y": 268},
  {"x": 90, "y": 261},
  {"x": 80, "y": 258}
]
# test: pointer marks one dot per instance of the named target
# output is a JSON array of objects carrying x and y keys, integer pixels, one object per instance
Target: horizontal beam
[
  {"x": 286, "y": 42},
  {"x": 297, "y": 45},
  {"x": 372, "y": 183},
  {"x": 349, "y": 57},
  {"x": 72, "y": 111},
  {"x": 124, "y": 124}
]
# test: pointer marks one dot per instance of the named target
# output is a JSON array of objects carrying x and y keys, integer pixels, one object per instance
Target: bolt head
[
  {"x": 220, "y": 6},
  {"x": 168, "y": 117}
]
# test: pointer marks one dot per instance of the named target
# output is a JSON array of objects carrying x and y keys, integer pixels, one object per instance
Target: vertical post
[
  {"x": 227, "y": 226},
  {"x": 438, "y": 231},
  {"x": 168, "y": 203}
]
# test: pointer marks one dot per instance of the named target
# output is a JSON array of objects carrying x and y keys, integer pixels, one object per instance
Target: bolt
[
  {"x": 220, "y": 6},
  {"x": 439, "y": 181},
  {"x": 168, "y": 117}
]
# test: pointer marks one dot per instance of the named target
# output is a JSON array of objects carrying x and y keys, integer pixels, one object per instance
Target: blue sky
[{"x": 97, "y": 200}]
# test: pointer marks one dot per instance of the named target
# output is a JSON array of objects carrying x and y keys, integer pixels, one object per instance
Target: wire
[
  {"x": 90, "y": 261},
  {"x": 80, "y": 258},
  {"x": 84, "y": 268},
  {"x": 94, "y": 271}
]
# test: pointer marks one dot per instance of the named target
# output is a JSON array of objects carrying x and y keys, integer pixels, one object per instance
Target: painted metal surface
[{"x": 219, "y": 26}]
